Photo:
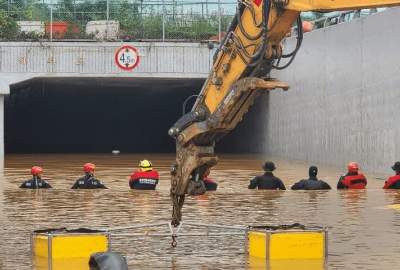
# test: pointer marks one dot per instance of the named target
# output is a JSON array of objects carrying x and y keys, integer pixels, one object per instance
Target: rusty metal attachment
[{"x": 195, "y": 144}]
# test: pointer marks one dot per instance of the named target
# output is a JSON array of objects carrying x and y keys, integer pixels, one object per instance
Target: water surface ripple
[{"x": 363, "y": 234}]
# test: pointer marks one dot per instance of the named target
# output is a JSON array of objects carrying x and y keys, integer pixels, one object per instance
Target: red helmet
[
  {"x": 36, "y": 170},
  {"x": 307, "y": 26},
  {"x": 89, "y": 167},
  {"x": 352, "y": 167}
]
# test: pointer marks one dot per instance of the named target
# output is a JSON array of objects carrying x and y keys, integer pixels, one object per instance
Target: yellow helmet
[{"x": 145, "y": 165}]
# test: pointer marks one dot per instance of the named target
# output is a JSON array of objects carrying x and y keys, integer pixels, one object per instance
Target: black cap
[
  {"x": 313, "y": 171},
  {"x": 396, "y": 166},
  {"x": 269, "y": 166}
]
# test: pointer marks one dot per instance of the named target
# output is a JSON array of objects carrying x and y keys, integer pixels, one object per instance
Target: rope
[
  {"x": 174, "y": 230},
  {"x": 139, "y": 226},
  {"x": 217, "y": 226},
  {"x": 180, "y": 235},
  {"x": 284, "y": 227}
]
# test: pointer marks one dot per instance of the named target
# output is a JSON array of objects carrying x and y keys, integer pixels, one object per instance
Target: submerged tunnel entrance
[{"x": 97, "y": 115}]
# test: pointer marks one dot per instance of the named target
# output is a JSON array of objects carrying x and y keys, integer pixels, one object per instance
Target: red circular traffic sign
[{"x": 127, "y": 57}]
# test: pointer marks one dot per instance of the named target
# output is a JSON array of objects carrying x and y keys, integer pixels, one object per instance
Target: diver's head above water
[
  {"x": 353, "y": 168},
  {"x": 269, "y": 166},
  {"x": 89, "y": 169},
  {"x": 312, "y": 172},
  {"x": 36, "y": 171},
  {"x": 396, "y": 167},
  {"x": 145, "y": 165}
]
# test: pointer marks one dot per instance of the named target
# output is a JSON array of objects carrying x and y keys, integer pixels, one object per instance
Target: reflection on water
[
  {"x": 261, "y": 264},
  {"x": 363, "y": 234}
]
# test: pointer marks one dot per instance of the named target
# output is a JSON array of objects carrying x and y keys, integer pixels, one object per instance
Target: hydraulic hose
[{"x": 292, "y": 55}]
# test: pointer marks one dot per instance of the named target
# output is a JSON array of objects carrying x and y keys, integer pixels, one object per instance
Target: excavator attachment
[
  {"x": 251, "y": 48},
  {"x": 195, "y": 144}
]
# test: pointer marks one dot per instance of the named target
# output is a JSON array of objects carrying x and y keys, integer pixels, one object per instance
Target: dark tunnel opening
[{"x": 98, "y": 115}]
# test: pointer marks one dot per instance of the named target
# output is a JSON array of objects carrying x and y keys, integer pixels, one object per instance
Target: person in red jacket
[
  {"x": 353, "y": 179},
  {"x": 394, "y": 181},
  {"x": 145, "y": 178},
  {"x": 210, "y": 184}
]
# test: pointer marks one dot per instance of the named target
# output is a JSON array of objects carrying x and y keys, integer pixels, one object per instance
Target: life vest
[
  {"x": 144, "y": 180},
  {"x": 393, "y": 182},
  {"x": 354, "y": 181}
]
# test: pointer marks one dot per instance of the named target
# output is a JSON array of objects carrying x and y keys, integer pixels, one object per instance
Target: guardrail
[
  {"x": 333, "y": 18},
  {"x": 106, "y": 20},
  {"x": 114, "y": 20}
]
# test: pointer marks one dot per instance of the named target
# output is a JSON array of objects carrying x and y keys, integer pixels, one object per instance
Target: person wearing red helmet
[
  {"x": 353, "y": 179},
  {"x": 36, "y": 181},
  {"x": 394, "y": 181},
  {"x": 145, "y": 178},
  {"x": 88, "y": 181}
]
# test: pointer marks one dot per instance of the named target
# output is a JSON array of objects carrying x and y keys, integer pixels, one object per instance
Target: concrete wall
[
  {"x": 344, "y": 99},
  {"x": 23, "y": 60}
]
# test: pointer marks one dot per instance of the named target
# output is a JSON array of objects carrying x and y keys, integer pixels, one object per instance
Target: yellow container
[
  {"x": 66, "y": 250},
  {"x": 292, "y": 244}
]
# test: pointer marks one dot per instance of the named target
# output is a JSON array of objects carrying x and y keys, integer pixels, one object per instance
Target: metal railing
[
  {"x": 130, "y": 20},
  {"x": 333, "y": 18},
  {"x": 114, "y": 19}
]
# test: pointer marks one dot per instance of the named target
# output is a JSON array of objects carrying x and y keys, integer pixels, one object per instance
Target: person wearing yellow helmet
[{"x": 145, "y": 178}]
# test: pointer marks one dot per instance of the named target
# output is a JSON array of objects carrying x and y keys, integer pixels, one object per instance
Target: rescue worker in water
[
  {"x": 353, "y": 179},
  {"x": 209, "y": 184},
  {"x": 145, "y": 178},
  {"x": 394, "y": 181},
  {"x": 268, "y": 180},
  {"x": 88, "y": 181},
  {"x": 36, "y": 181},
  {"x": 312, "y": 183}
]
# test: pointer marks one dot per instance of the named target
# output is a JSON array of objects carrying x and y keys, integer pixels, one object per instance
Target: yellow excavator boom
[{"x": 251, "y": 48}]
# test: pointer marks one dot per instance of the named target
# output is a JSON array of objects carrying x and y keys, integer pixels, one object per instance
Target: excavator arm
[{"x": 241, "y": 70}]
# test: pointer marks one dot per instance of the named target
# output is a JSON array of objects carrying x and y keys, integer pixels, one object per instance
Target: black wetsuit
[
  {"x": 266, "y": 181},
  {"x": 35, "y": 182},
  {"x": 87, "y": 182},
  {"x": 311, "y": 184}
]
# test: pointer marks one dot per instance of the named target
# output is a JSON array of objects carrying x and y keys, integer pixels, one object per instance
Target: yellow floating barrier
[
  {"x": 393, "y": 206},
  {"x": 287, "y": 243},
  {"x": 63, "y": 249}
]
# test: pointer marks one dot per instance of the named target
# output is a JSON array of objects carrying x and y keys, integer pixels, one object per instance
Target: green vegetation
[
  {"x": 8, "y": 26},
  {"x": 137, "y": 20}
]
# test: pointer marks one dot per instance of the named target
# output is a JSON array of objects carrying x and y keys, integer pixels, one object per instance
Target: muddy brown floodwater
[{"x": 363, "y": 234}]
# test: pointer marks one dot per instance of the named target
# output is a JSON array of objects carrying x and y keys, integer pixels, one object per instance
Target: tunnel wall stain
[{"x": 97, "y": 115}]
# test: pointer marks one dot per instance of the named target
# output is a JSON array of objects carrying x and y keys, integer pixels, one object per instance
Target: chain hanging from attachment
[
  {"x": 174, "y": 233},
  {"x": 177, "y": 202},
  {"x": 174, "y": 243}
]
